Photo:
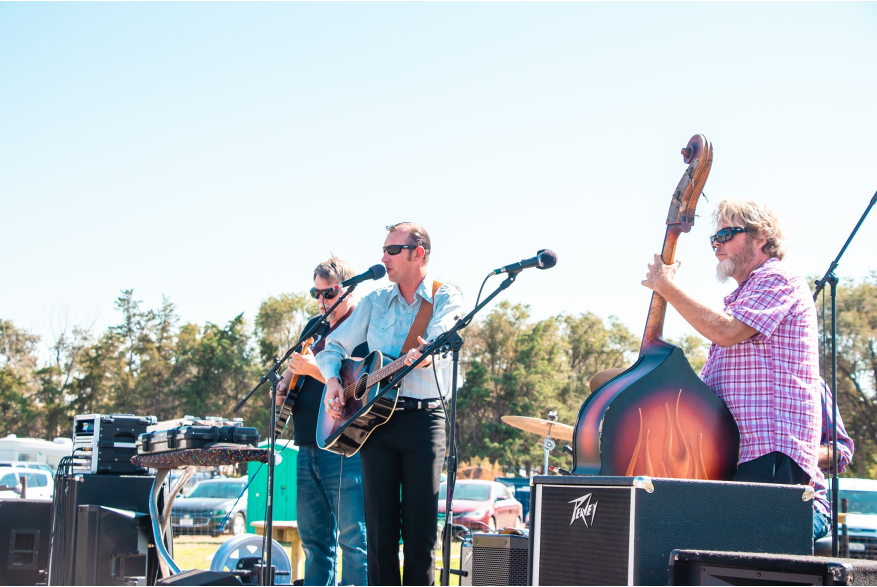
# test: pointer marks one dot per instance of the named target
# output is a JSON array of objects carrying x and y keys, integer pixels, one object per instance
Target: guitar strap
[{"x": 421, "y": 321}]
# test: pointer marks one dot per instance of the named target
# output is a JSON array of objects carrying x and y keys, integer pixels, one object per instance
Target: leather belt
[{"x": 407, "y": 403}]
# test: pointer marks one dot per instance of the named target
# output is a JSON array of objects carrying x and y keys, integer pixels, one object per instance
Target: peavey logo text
[{"x": 584, "y": 509}]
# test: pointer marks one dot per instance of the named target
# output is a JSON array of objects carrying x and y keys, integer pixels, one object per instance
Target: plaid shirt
[
  {"x": 845, "y": 449},
  {"x": 770, "y": 381}
]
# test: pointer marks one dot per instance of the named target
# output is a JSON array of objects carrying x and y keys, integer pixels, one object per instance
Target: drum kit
[{"x": 550, "y": 428}]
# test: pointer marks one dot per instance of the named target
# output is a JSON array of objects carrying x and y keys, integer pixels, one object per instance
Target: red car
[{"x": 482, "y": 505}]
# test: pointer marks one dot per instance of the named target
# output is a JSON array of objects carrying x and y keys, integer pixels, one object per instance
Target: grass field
[{"x": 196, "y": 552}]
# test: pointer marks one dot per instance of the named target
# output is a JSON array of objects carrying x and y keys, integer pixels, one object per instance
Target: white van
[{"x": 39, "y": 483}]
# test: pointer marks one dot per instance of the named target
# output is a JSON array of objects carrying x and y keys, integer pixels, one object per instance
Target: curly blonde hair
[{"x": 761, "y": 221}]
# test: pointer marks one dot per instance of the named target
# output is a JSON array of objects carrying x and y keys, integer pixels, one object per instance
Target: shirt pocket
[{"x": 380, "y": 333}]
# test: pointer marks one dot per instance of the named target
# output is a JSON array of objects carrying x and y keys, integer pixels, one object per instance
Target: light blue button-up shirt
[{"x": 383, "y": 318}]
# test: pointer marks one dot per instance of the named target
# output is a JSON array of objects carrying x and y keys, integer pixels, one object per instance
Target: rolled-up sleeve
[
  {"x": 764, "y": 303},
  {"x": 341, "y": 343}
]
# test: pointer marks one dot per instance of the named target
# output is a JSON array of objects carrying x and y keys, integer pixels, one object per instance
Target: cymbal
[{"x": 541, "y": 427}]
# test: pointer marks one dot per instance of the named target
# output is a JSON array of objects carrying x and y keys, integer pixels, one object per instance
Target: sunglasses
[
  {"x": 726, "y": 234},
  {"x": 328, "y": 294},
  {"x": 396, "y": 249}
]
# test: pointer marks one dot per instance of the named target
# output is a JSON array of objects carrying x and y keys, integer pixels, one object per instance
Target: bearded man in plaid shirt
[{"x": 764, "y": 358}]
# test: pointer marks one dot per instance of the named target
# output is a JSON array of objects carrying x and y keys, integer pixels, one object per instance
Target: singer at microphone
[
  {"x": 544, "y": 259},
  {"x": 404, "y": 455},
  {"x": 374, "y": 272}
]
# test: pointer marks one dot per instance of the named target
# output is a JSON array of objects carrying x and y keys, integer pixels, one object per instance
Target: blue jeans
[
  {"x": 317, "y": 512},
  {"x": 821, "y": 525}
]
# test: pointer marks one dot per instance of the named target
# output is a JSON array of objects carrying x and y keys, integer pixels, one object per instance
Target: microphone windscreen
[
  {"x": 548, "y": 258},
  {"x": 379, "y": 271}
]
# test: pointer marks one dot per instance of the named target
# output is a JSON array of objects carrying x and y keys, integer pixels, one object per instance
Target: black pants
[
  {"x": 408, "y": 453},
  {"x": 774, "y": 467}
]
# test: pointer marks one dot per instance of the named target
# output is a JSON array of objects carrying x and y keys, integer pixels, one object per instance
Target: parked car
[
  {"x": 40, "y": 484},
  {"x": 861, "y": 495},
  {"x": 483, "y": 505},
  {"x": 194, "y": 480},
  {"x": 29, "y": 465},
  {"x": 521, "y": 487},
  {"x": 210, "y": 504}
]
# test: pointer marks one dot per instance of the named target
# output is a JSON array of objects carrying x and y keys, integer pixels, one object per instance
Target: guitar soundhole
[{"x": 360, "y": 388}]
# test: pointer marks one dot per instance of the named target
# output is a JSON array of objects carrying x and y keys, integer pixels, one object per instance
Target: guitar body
[
  {"x": 658, "y": 418},
  {"x": 365, "y": 408}
]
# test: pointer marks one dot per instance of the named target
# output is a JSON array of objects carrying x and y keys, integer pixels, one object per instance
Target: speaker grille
[
  {"x": 584, "y": 535},
  {"x": 500, "y": 560}
]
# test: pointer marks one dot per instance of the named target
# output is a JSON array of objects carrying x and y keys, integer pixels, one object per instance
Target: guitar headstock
[{"x": 698, "y": 154}]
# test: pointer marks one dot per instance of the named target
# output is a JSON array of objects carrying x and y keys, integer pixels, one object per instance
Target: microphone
[
  {"x": 374, "y": 272},
  {"x": 544, "y": 259}
]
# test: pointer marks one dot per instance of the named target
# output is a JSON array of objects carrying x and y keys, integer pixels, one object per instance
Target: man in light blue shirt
[{"x": 401, "y": 460}]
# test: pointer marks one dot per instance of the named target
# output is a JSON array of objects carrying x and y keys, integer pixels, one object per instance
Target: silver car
[{"x": 861, "y": 496}]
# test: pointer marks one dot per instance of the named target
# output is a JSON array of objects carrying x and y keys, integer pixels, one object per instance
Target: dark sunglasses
[
  {"x": 328, "y": 294},
  {"x": 396, "y": 249},
  {"x": 725, "y": 235}
]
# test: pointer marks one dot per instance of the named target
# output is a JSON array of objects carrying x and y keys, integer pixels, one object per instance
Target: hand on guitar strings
[
  {"x": 415, "y": 354},
  {"x": 660, "y": 276},
  {"x": 334, "y": 397}
]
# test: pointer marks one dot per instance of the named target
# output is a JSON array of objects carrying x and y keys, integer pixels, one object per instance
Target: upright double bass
[{"x": 658, "y": 418}]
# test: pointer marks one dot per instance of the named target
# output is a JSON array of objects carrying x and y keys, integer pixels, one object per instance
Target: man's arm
[
  {"x": 340, "y": 344},
  {"x": 718, "y": 327},
  {"x": 345, "y": 338}
]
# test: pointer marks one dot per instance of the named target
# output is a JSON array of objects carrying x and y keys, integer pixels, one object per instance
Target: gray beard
[{"x": 727, "y": 268}]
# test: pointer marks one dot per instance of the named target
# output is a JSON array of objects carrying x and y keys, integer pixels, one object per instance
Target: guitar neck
[
  {"x": 379, "y": 375},
  {"x": 654, "y": 331}
]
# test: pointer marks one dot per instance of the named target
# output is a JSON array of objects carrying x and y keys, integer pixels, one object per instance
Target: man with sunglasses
[
  {"x": 320, "y": 472},
  {"x": 402, "y": 459},
  {"x": 764, "y": 358}
]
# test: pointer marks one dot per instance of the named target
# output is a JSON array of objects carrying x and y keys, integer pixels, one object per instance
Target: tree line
[{"x": 152, "y": 364}]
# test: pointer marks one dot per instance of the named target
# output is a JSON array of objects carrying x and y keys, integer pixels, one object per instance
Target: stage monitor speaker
[
  {"x": 124, "y": 492},
  {"x": 621, "y": 530},
  {"x": 196, "y": 577},
  {"x": 698, "y": 567},
  {"x": 25, "y": 533},
  {"x": 499, "y": 559},
  {"x": 112, "y": 546}
]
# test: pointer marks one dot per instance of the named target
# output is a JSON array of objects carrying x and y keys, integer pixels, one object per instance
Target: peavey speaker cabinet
[{"x": 621, "y": 530}]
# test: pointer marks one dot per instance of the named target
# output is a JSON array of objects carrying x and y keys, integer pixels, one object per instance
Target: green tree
[
  {"x": 279, "y": 323},
  {"x": 856, "y": 365},
  {"x": 214, "y": 368},
  {"x": 517, "y": 368},
  {"x": 156, "y": 349},
  {"x": 18, "y": 360},
  {"x": 695, "y": 349}
]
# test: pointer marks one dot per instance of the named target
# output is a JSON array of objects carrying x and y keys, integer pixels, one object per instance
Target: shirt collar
[
  {"x": 424, "y": 290},
  {"x": 733, "y": 295}
]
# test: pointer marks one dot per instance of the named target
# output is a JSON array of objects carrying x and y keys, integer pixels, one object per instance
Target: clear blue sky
[{"x": 216, "y": 152}]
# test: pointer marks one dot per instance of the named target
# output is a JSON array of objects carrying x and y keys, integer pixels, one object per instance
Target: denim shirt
[{"x": 383, "y": 319}]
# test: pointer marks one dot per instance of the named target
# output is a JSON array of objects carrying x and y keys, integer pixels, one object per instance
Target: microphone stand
[
  {"x": 450, "y": 341},
  {"x": 831, "y": 279},
  {"x": 272, "y": 376}
]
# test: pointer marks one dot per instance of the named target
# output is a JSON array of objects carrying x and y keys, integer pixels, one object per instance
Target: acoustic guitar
[
  {"x": 658, "y": 418},
  {"x": 288, "y": 408},
  {"x": 368, "y": 403}
]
